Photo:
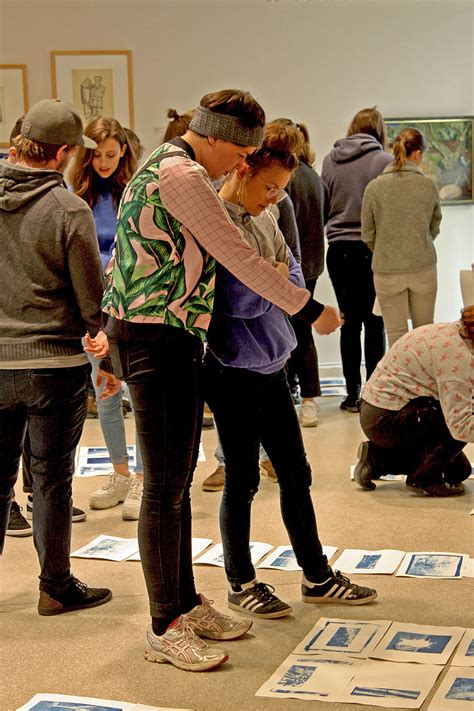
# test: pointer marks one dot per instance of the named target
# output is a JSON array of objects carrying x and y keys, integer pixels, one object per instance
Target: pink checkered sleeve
[{"x": 187, "y": 193}]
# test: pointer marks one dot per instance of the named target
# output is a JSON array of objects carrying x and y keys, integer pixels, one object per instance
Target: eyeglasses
[{"x": 273, "y": 193}]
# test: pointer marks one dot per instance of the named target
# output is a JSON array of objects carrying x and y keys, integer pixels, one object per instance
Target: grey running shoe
[
  {"x": 181, "y": 646},
  {"x": 208, "y": 622}
]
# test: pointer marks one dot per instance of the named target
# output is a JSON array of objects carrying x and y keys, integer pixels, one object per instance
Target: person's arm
[
  {"x": 368, "y": 227},
  {"x": 436, "y": 217}
]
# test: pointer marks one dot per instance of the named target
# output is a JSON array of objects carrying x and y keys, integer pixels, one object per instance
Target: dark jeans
[
  {"x": 414, "y": 441},
  {"x": 52, "y": 403},
  {"x": 350, "y": 271},
  {"x": 164, "y": 377},
  {"x": 303, "y": 361},
  {"x": 248, "y": 408}
]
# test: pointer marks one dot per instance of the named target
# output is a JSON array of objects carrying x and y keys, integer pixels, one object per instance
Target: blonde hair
[{"x": 407, "y": 142}]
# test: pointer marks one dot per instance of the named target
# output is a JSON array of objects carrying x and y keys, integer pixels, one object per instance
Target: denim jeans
[
  {"x": 164, "y": 379},
  {"x": 250, "y": 408},
  {"x": 350, "y": 271},
  {"x": 219, "y": 454},
  {"x": 52, "y": 402},
  {"x": 303, "y": 362},
  {"x": 414, "y": 441}
]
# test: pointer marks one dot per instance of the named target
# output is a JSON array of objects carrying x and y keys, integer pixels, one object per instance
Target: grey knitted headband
[{"x": 227, "y": 128}]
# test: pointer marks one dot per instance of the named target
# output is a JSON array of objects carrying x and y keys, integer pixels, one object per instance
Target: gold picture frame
[
  {"x": 13, "y": 98},
  {"x": 96, "y": 82}
]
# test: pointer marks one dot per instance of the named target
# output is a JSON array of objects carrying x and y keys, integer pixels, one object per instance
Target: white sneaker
[
  {"x": 113, "y": 492},
  {"x": 132, "y": 503},
  {"x": 180, "y": 646},
  {"x": 208, "y": 622},
  {"x": 308, "y": 414}
]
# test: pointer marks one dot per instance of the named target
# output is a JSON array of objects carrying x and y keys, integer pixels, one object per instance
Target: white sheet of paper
[
  {"x": 390, "y": 685},
  {"x": 198, "y": 546},
  {"x": 423, "y": 564},
  {"x": 215, "y": 555},
  {"x": 385, "y": 477},
  {"x": 329, "y": 391},
  {"x": 108, "y": 548},
  {"x": 354, "y": 561},
  {"x": 95, "y": 461},
  {"x": 424, "y": 644},
  {"x": 464, "y": 656},
  {"x": 468, "y": 568},
  {"x": 283, "y": 558},
  {"x": 64, "y": 702},
  {"x": 456, "y": 691},
  {"x": 328, "y": 382},
  {"x": 315, "y": 678},
  {"x": 354, "y": 638}
]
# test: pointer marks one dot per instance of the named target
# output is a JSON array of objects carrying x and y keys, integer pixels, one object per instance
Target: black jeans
[
  {"x": 350, "y": 271},
  {"x": 164, "y": 378},
  {"x": 303, "y": 361},
  {"x": 414, "y": 441},
  {"x": 248, "y": 408},
  {"x": 52, "y": 402}
]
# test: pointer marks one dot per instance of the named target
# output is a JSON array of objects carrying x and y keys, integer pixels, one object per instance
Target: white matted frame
[
  {"x": 13, "y": 98},
  {"x": 97, "y": 83}
]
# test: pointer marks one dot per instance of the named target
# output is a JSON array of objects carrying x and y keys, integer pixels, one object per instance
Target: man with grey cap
[{"x": 50, "y": 298}]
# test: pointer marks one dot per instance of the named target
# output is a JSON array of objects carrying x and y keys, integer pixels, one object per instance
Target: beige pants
[{"x": 403, "y": 296}]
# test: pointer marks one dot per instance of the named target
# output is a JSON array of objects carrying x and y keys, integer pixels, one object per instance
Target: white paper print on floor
[
  {"x": 198, "y": 546},
  {"x": 353, "y": 561},
  {"x": 63, "y": 702},
  {"x": 215, "y": 555},
  {"x": 464, "y": 656},
  {"x": 108, "y": 548},
  {"x": 354, "y": 638},
  {"x": 283, "y": 558},
  {"x": 423, "y": 644},
  {"x": 456, "y": 691},
  {"x": 385, "y": 477},
  {"x": 433, "y": 565},
  {"x": 468, "y": 568},
  {"x": 95, "y": 461}
]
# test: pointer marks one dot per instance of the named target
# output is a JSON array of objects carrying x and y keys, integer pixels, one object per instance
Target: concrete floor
[{"x": 99, "y": 652}]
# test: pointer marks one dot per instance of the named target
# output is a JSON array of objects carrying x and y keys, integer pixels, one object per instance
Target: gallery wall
[{"x": 315, "y": 61}]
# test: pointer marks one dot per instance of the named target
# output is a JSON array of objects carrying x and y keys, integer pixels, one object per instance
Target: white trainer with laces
[
  {"x": 208, "y": 622},
  {"x": 131, "y": 505},
  {"x": 308, "y": 414},
  {"x": 181, "y": 646},
  {"x": 110, "y": 494}
]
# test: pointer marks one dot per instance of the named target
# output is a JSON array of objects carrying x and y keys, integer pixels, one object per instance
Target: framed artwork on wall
[
  {"x": 449, "y": 158},
  {"x": 97, "y": 83},
  {"x": 13, "y": 98}
]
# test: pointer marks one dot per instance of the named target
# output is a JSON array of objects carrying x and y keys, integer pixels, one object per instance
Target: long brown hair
[
  {"x": 178, "y": 124},
  {"x": 305, "y": 152},
  {"x": 369, "y": 121},
  {"x": 281, "y": 146},
  {"x": 82, "y": 173},
  {"x": 407, "y": 142}
]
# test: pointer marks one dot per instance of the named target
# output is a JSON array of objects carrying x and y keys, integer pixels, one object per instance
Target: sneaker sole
[
  {"x": 49, "y": 612},
  {"x": 210, "y": 487},
  {"x": 311, "y": 423},
  {"x": 130, "y": 516},
  {"x": 20, "y": 533},
  {"x": 99, "y": 506},
  {"x": 75, "y": 519},
  {"x": 161, "y": 658},
  {"x": 336, "y": 601},
  {"x": 261, "y": 616}
]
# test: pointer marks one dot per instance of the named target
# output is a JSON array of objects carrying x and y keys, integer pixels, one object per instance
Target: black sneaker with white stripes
[
  {"x": 337, "y": 590},
  {"x": 259, "y": 601}
]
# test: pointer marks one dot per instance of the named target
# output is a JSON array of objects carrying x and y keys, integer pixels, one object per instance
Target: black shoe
[
  {"x": 77, "y": 596},
  {"x": 126, "y": 407},
  {"x": 338, "y": 590},
  {"x": 77, "y": 514},
  {"x": 363, "y": 472},
  {"x": 17, "y": 523},
  {"x": 258, "y": 601},
  {"x": 440, "y": 489},
  {"x": 350, "y": 404}
]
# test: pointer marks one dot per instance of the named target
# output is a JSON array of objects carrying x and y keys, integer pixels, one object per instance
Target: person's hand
[
  {"x": 328, "y": 321},
  {"x": 111, "y": 384},
  {"x": 283, "y": 269},
  {"x": 98, "y": 346}
]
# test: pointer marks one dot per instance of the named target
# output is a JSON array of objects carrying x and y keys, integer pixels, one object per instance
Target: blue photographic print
[
  {"x": 71, "y": 706},
  {"x": 435, "y": 565},
  {"x": 368, "y": 562},
  {"x": 415, "y": 642},
  {"x": 343, "y": 637},
  {"x": 470, "y": 649},
  {"x": 462, "y": 689},
  {"x": 385, "y": 692},
  {"x": 297, "y": 675},
  {"x": 286, "y": 559}
]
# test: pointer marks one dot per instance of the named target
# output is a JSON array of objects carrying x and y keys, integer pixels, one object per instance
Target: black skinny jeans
[
  {"x": 164, "y": 378},
  {"x": 248, "y": 408},
  {"x": 349, "y": 266},
  {"x": 303, "y": 361}
]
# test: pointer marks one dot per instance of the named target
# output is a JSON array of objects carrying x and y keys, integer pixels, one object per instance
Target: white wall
[{"x": 315, "y": 61}]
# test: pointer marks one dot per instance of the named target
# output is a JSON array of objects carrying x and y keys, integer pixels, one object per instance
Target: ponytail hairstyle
[
  {"x": 407, "y": 142},
  {"x": 178, "y": 124},
  {"x": 281, "y": 146},
  {"x": 369, "y": 121},
  {"x": 82, "y": 173},
  {"x": 305, "y": 153}
]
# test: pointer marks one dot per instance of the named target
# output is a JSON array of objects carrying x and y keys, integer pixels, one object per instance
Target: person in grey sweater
[
  {"x": 401, "y": 215},
  {"x": 353, "y": 162},
  {"x": 50, "y": 298}
]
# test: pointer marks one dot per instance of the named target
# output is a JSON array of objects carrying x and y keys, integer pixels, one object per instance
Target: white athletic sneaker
[
  {"x": 113, "y": 492},
  {"x": 208, "y": 622},
  {"x": 131, "y": 505},
  {"x": 180, "y": 646},
  {"x": 308, "y": 414}
]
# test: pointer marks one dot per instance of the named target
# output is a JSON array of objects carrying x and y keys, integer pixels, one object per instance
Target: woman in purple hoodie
[{"x": 353, "y": 162}]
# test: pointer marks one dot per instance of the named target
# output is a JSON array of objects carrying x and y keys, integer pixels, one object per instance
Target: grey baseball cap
[{"x": 55, "y": 122}]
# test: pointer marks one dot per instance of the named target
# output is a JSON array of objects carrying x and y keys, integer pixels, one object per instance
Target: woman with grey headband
[{"x": 172, "y": 227}]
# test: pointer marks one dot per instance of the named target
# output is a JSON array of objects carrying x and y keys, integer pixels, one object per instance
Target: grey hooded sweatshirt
[
  {"x": 51, "y": 273},
  {"x": 350, "y": 166}
]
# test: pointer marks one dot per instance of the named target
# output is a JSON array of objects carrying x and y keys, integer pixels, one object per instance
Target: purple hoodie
[{"x": 350, "y": 166}]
